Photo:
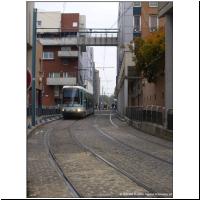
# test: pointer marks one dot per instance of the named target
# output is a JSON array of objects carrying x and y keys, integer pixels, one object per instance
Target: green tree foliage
[{"x": 150, "y": 55}]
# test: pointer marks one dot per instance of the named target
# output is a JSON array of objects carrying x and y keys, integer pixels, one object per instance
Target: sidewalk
[
  {"x": 40, "y": 120},
  {"x": 148, "y": 127}
]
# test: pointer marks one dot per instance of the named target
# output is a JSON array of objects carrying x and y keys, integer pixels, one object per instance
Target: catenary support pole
[{"x": 33, "y": 65}]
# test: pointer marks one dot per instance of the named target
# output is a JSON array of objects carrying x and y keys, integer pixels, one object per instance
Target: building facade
[
  {"x": 136, "y": 19},
  {"x": 166, "y": 10},
  {"x": 38, "y": 62},
  {"x": 29, "y": 31},
  {"x": 124, "y": 55},
  {"x": 87, "y": 68},
  {"x": 63, "y": 60},
  {"x": 96, "y": 89},
  {"x": 146, "y": 21}
]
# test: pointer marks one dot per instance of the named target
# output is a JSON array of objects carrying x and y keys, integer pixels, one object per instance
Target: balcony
[
  {"x": 61, "y": 81},
  {"x": 70, "y": 54},
  {"x": 59, "y": 41}
]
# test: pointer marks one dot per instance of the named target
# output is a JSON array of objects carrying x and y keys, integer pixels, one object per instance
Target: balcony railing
[{"x": 67, "y": 53}]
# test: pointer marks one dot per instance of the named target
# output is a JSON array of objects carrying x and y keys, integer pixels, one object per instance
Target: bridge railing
[{"x": 88, "y": 32}]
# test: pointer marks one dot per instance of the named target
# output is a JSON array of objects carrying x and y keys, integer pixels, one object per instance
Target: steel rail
[
  {"x": 58, "y": 168},
  {"x": 125, "y": 173},
  {"x": 130, "y": 147}
]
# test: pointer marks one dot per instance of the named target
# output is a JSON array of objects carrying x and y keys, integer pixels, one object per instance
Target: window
[
  {"x": 50, "y": 74},
  {"x": 153, "y": 23},
  {"x": 153, "y": 4},
  {"x": 75, "y": 24},
  {"x": 65, "y": 75},
  {"x": 136, "y": 23},
  {"x": 54, "y": 75},
  {"x": 65, "y": 61},
  {"x": 39, "y": 23},
  {"x": 137, "y": 4},
  {"x": 71, "y": 97},
  {"x": 48, "y": 55}
]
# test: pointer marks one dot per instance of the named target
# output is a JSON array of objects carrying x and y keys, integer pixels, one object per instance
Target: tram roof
[{"x": 76, "y": 87}]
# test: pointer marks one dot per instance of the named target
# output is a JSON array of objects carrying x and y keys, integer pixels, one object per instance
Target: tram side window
[
  {"x": 84, "y": 99},
  {"x": 87, "y": 101},
  {"x": 90, "y": 103},
  {"x": 81, "y": 97}
]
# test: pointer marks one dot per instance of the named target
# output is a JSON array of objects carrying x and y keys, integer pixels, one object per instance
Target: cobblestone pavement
[
  {"x": 156, "y": 146},
  {"x": 91, "y": 176},
  {"x": 42, "y": 179},
  {"x": 151, "y": 171}
]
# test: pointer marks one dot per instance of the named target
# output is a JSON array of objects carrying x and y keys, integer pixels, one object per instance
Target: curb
[{"x": 41, "y": 122}]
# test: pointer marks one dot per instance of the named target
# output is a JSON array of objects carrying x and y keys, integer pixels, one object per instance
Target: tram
[{"x": 76, "y": 102}]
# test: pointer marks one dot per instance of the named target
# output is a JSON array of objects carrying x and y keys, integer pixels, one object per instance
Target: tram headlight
[
  {"x": 78, "y": 110},
  {"x": 63, "y": 109}
]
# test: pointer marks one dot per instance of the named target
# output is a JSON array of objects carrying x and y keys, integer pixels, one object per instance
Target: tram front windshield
[{"x": 71, "y": 97}]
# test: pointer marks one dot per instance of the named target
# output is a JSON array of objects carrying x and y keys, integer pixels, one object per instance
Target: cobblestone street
[{"x": 98, "y": 156}]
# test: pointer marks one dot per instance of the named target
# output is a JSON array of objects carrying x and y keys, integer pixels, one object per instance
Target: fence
[
  {"x": 44, "y": 111},
  {"x": 153, "y": 114},
  {"x": 170, "y": 119}
]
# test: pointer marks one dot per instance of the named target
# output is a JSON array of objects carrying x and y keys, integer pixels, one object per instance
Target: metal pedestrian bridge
[{"x": 83, "y": 37}]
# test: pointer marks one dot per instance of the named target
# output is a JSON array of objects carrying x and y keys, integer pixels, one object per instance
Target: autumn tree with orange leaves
[{"x": 150, "y": 55}]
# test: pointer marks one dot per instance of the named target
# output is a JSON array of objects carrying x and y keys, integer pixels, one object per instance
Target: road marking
[
  {"x": 115, "y": 125},
  {"x": 41, "y": 131}
]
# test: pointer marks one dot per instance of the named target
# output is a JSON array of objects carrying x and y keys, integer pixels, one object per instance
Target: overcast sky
[{"x": 98, "y": 15}]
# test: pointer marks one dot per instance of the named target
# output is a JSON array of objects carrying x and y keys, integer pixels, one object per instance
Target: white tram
[{"x": 76, "y": 102}]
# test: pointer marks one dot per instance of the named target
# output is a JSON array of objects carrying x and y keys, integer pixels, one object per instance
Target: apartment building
[
  {"x": 136, "y": 19},
  {"x": 146, "y": 21},
  {"x": 63, "y": 60}
]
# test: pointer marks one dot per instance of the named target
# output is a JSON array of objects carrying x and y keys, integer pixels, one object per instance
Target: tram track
[
  {"x": 116, "y": 140},
  {"x": 74, "y": 189},
  {"x": 130, "y": 147},
  {"x": 57, "y": 166},
  {"x": 120, "y": 170}
]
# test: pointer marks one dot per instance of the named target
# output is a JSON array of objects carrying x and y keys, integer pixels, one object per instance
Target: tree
[{"x": 150, "y": 55}]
